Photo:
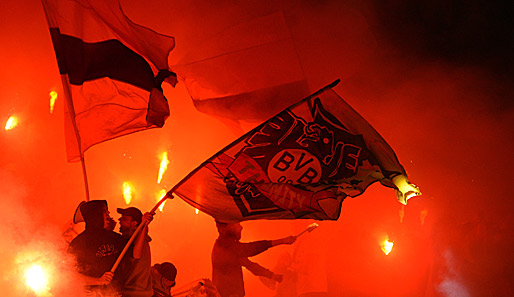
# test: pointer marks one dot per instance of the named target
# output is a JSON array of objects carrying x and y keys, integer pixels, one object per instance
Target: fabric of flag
[
  {"x": 107, "y": 65},
  {"x": 248, "y": 72},
  {"x": 300, "y": 164}
]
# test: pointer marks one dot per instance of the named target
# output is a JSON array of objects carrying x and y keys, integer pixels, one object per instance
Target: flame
[
  {"x": 386, "y": 246},
  {"x": 53, "y": 97},
  {"x": 12, "y": 122},
  {"x": 127, "y": 192},
  {"x": 196, "y": 210},
  {"x": 37, "y": 279},
  {"x": 159, "y": 196},
  {"x": 164, "y": 166}
]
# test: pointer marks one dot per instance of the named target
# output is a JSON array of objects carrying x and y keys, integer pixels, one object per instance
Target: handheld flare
[{"x": 308, "y": 229}]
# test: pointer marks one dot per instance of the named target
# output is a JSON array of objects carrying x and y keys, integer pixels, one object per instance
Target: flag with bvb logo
[
  {"x": 302, "y": 163},
  {"x": 111, "y": 71}
]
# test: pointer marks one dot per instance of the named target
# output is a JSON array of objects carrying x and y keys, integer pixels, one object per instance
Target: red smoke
[{"x": 440, "y": 95}]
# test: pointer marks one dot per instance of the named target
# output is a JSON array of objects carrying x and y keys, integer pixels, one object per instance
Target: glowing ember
[
  {"x": 164, "y": 166},
  {"x": 12, "y": 122},
  {"x": 36, "y": 279},
  {"x": 127, "y": 192},
  {"x": 53, "y": 97},
  {"x": 159, "y": 196},
  {"x": 196, "y": 210},
  {"x": 386, "y": 246}
]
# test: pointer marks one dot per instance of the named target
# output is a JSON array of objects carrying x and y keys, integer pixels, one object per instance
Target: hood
[{"x": 92, "y": 212}]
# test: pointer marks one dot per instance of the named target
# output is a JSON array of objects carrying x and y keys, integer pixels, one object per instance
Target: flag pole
[
  {"x": 67, "y": 95},
  {"x": 71, "y": 111},
  {"x": 136, "y": 232}
]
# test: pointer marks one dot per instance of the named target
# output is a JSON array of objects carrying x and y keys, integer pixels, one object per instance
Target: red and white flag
[
  {"x": 111, "y": 70},
  {"x": 300, "y": 164}
]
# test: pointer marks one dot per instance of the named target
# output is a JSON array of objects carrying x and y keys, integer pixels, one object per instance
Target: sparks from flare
[
  {"x": 53, "y": 97},
  {"x": 12, "y": 122},
  {"x": 386, "y": 246},
  {"x": 164, "y": 166},
  {"x": 37, "y": 279},
  {"x": 127, "y": 192}
]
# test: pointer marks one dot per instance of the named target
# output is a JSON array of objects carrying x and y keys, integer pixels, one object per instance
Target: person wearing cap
[
  {"x": 163, "y": 279},
  {"x": 229, "y": 255},
  {"x": 96, "y": 249},
  {"x": 137, "y": 281}
]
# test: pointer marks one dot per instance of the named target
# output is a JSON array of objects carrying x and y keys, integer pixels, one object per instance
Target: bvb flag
[
  {"x": 300, "y": 164},
  {"x": 107, "y": 65}
]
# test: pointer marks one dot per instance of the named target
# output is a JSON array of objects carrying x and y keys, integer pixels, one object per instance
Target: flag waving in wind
[
  {"x": 108, "y": 67},
  {"x": 302, "y": 163},
  {"x": 248, "y": 72}
]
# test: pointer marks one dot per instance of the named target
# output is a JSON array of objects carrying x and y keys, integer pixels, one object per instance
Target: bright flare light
[
  {"x": 196, "y": 210},
  {"x": 386, "y": 246},
  {"x": 36, "y": 279},
  {"x": 159, "y": 196},
  {"x": 405, "y": 190},
  {"x": 12, "y": 122},
  {"x": 127, "y": 192},
  {"x": 164, "y": 166},
  {"x": 53, "y": 97}
]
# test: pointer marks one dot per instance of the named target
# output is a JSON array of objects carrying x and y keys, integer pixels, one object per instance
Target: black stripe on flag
[{"x": 84, "y": 61}]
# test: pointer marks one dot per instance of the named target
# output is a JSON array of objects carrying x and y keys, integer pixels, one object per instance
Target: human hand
[
  {"x": 148, "y": 217},
  {"x": 289, "y": 239},
  {"x": 277, "y": 277},
  {"x": 106, "y": 278}
]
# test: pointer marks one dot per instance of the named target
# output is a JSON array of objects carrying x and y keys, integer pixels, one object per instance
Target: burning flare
[
  {"x": 197, "y": 211},
  {"x": 53, "y": 97},
  {"x": 12, "y": 122},
  {"x": 37, "y": 279},
  {"x": 159, "y": 196},
  {"x": 127, "y": 192},
  {"x": 386, "y": 246},
  {"x": 404, "y": 189},
  {"x": 164, "y": 166}
]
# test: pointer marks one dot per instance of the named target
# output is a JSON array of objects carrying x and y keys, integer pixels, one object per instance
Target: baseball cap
[
  {"x": 132, "y": 212},
  {"x": 167, "y": 270}
]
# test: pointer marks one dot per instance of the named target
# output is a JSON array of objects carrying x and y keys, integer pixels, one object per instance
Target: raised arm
[{"x": 259, "y": 270}]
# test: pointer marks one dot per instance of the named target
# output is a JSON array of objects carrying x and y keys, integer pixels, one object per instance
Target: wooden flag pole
[
  {"x": 50, "y": 19},
  {"x": 136, "y": 232}
]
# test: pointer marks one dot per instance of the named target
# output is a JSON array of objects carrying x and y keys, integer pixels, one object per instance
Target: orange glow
[
  {"x": 196, "y": 210},
  {"x": 127, "y": 192},
  {"x": 12, "y": 122},
  {"x": 422, "y": 216},
  {"x": 159, "y": 196},
  {"x": 401, "y": 213},
  {"x": 53, "y": 97},
  {"x": 37, "y": 280},
  {"x": 164, "y": 166},
  {"x": 386, "y": 246}
]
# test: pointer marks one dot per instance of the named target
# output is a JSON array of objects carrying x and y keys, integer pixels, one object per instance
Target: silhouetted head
[{"x": 232, "y": 230}]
